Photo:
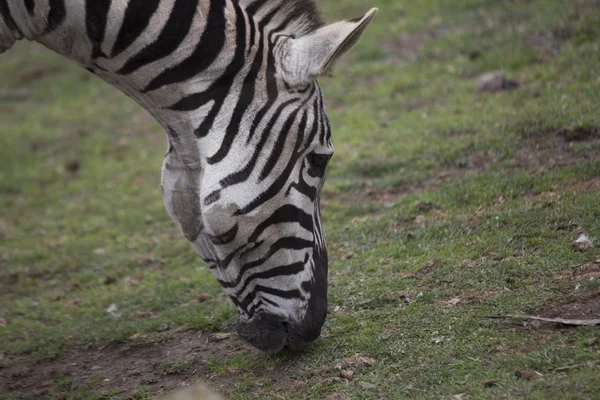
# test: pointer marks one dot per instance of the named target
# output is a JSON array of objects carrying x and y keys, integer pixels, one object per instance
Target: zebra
[{"x": 233, "y": 84}]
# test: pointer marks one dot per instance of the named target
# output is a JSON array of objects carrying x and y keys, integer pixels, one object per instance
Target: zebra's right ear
[{"x": 313, "y": 55}]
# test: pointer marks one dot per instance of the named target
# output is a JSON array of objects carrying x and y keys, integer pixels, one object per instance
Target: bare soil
[
  {"x": 579, "y": 305},
  {"x": 122, "y": 368}
]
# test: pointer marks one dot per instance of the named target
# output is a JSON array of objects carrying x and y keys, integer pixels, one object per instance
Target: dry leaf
[
  {"x": 112, "y": 310},
  {"x": 590, "y": 341},
  {"x": 426, "y": 206},
  {"x": 460, "y": 396},
  {"x": 131, "y": 281},
  {"x": 109, "y": 280},
  {"x": 367, "y": 385},
  {"x": 452, "y": 302},
  {"x": 438, "y": 340},
  {"x": 202, "y": 297},
  {"x": 100, "y": 251},
  {"x": 144, "y": 314},
  {"x": 2, "y": 322},
  {"x": 583, "y": 243},
  {"x": 528, "y": 375}
]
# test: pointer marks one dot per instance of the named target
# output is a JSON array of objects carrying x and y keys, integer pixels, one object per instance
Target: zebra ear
[{"x": 313, "y": 55}]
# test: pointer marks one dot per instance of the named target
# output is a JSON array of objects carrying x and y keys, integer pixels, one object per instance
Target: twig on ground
[
  {"x": 564, "y": 321},
  {"x": 575, "y": 366},
  {"x": 13, "y": 95}
]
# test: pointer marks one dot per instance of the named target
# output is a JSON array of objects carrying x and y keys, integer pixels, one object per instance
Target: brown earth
[{"x": 122, "y": 368}]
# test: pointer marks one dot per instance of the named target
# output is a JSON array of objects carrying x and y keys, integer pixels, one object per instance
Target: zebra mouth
[{"x": 269, "y": 333}]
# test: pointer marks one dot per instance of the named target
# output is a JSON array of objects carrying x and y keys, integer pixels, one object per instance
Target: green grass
[{"x": 404, "y": 111}]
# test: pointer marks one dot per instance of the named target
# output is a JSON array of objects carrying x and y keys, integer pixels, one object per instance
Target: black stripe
[
  {"x": 272, "y": 92},
  {"x": 275, "y": 153},
  {"x": 286, "y": 242},
  {"x": 284, "y": 294},
  {"x": 243, "y": 174},
  {"x": 287, "y": 213},
  {"x": 250, "y": 11},
  {"x": 56, "y": 15},
  {"x": 254, "y": 7},
  {"x": 325, "y": 127},
  {"x": 255, "y": 307},
  {"x": 7, "y": 17},
  {"x": 224, "y": 238},
  {"x": 304, "y": 188},
  {"x": 136, "y": 19},
  {"x": 244, "y": 101},
  {"x": 245, "y": 98},
  {"x": 211, "y": 198},
  {"x": 173, "y": 33},
  {"x": 30, "y": 4},
  {"x": 279, "y": 182},
  {"x": 96, "y": 16},
  {"x": 218, "y": 90},
  {"x": 207, "y": 50},
  {"x": 315, "y": 128},
  {"x": 284, "y": 270}
]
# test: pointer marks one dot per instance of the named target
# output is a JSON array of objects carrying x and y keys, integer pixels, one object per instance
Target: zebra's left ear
[{"x": 313, "y": 55}]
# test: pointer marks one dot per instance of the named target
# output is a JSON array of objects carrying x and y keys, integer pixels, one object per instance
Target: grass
[{"x": 512, "y": 179}]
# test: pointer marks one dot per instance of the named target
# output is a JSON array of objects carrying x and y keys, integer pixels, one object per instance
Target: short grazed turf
[{"x": 442, "y": 205}]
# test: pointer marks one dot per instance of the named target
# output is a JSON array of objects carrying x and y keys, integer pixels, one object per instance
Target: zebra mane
[{"x": 301, "y": 17}]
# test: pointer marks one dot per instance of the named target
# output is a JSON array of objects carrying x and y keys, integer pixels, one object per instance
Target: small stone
[
  {"x": 460, "y": 396},
  {"x": 144, "y": 314},
  {"x": 347, "y": 374},
  {"x": 73, "y": 165},
  {"x": 219, "y": 336},
  {"x": 100, "y": 251},
  {"x": 420, "y": 220},
  {"x": 495, "y": 81}
]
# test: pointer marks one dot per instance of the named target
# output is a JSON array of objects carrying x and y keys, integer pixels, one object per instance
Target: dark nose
[
  {"x": 266, "y": 332},
  {"x": 270, "y": 333}
]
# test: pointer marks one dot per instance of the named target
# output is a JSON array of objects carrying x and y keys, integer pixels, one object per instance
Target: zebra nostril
[{"x": 264, "y": 331}]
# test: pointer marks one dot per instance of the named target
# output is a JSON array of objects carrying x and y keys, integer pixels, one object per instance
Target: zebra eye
[{"x": 317, "y": 163}]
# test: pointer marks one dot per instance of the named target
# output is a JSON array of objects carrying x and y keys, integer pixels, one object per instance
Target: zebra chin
[{"x": 271, "y": 333}]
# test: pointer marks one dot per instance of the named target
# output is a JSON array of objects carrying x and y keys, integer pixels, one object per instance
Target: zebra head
[{"x": 255, "y": 217}]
